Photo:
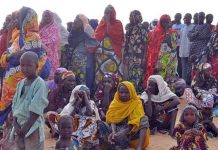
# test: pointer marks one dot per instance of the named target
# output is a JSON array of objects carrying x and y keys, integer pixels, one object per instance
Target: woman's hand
[{"x": 111, "y": 138}]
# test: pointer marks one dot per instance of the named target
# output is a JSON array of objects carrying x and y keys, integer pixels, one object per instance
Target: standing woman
[
  {"x": 135, "y": 49},
  {"x": 82, "y": 45},
  {"x": 50, "y": 35},
  {"x": 28, "y": 40},
  {"x": 213, "y": 52},
  {"x": 110, "y": 33},
  {"x": 162, "y": 58}
]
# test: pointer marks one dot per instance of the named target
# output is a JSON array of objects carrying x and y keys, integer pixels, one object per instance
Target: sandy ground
[{"x": 157, "y": 141}]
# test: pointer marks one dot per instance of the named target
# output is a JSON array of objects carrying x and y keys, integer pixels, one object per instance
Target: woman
[
  {"x": 53, "y": 84},
  {"x": 204, "y": 83},
  {"x": 50, "y": 35},
  {"x": 82, "y": 46},
  {"x": 199, "y": 37},
  {"x": 85, "y": 116},
  {"x": 135, "y": 50},
  {"x": 160, "y": 104},
  {"x": 28, "y": 40},
  {"x": 105, "y": 92},
  {"x": 109, "y": 56},
  {"x": 59, "y": 98},
  {"x": 161, "y": 55},
  {"x": 129, "y": 125},
  {"x": 213, "y": 52}
]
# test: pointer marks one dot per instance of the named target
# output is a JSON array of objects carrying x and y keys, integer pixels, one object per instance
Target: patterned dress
[
  {"x": 190, "y": 141},
  {"x": 107, "y": 61},
  {"x": 213, "y": 53},
  {"x": 199, "y": 37},
  {"x": 166, "y": 65},
  {"x": 135, "y": 54}
]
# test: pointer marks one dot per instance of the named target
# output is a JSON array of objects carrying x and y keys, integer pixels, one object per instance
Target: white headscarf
[{"x": 164, "y": 93}]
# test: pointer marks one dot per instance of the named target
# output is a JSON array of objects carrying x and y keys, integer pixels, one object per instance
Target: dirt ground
[{"x": 157, "y": 141}]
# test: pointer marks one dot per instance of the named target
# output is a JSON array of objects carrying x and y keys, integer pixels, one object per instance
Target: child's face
[
  {"x": 66, "y": 128},
  {"x": 108, "y": 80},
  {"x": 189, "y": 116},
  {"x": 28, "y": 67},
  {"x": 207, "y": 110},
  {"x": 124, "y": 94}
]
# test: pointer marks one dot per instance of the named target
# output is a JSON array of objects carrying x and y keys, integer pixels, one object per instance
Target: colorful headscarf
[
  {"x": 67, "y": 74},
  {"x": 115, "y": 32},
  {"x": 164, "y": 91},
  {"x": 132, "y": 109},
  {"x": 50, "y": 35},
  {"x": 61, "y": 70}
]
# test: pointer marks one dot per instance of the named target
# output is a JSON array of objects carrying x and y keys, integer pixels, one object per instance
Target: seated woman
[
  {"x": 160, "y": 104},
  {"x": 189, "y": 133},
  {"x": 182, "y": 90},
  {"x": 204, "y": 82},
  {"x": 53, "y": 84},
  {"x": 206, "y": 115},
  {"x": 129, "y": 126},
  {"x": 58, "y": 99},
  {"x": 105, "y": 93},
  {"x": 85, "y": 116}
]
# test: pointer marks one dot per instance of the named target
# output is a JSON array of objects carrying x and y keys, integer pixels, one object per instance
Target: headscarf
[
  {"x": 78, "y": 36},
  {"x": 67, "y": 74},
  {"x": 69, "y": 107},
  {"x": 81, "y": 87},
  {"x": 115, "y": 32},
  {"x": 155, "y": 39},
  {"x": 194, "y": 109},
  {"x": 99, "y": 94},
  {"x": 132, "y": 109},
  {"x": 50, "y": 35},
  {"x": 87, "y": 28},
  {"x": 207, "y": 100},
  {"x": 136, "y": 36},
  {"x": 164, "y": 93},
  {"x": 63, "y": 31},
  {"x": 61, "y": 70}
]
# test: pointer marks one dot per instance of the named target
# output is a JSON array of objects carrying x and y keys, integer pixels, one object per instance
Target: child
[
  {"x": 28, "y": 106},
  {"x": 206, "y": 115},
  {"x": 65, "y": 129},
  {"x": 85, "y": 115},
  {"x": 189, "y": 133}
]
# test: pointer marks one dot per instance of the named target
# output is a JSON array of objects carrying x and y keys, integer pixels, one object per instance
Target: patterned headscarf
[
  {"x": 136, "y": 16},
  {"x": 30, "y": 29},
  {"x": 67, "y": 74}
]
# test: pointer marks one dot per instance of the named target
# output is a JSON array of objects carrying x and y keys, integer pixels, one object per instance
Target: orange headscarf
[
  {"x": 115, "y": 32},
  {"x": 133, "y": 109}
]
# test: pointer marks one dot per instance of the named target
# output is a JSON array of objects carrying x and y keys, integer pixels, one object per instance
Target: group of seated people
[{"x": 116, "y": 117}]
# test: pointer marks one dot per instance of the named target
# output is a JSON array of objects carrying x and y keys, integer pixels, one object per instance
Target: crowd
[{"x": 98, "y": 88}]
